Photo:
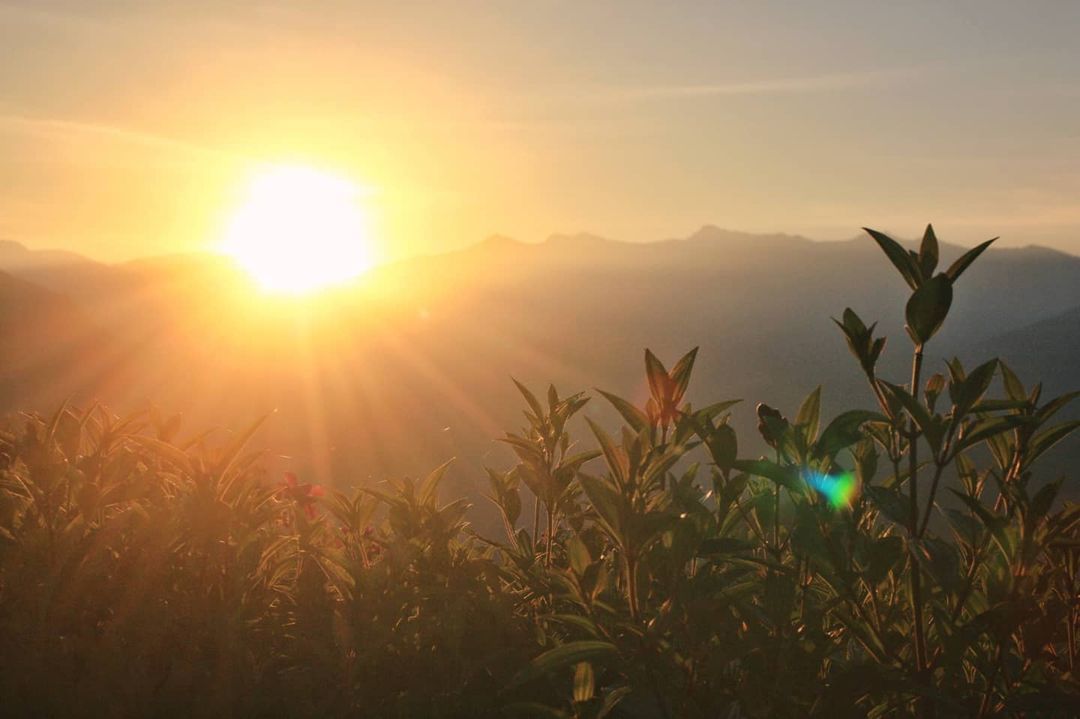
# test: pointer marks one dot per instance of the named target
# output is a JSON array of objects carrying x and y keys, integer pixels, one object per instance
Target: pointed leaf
[
  {"x": 584, "y": 682},
  {"x": 1052, "y": 407},
  {"x": 928, "y": 307},
  {"x": 1013, "y": 386},
  {"x": 578, "y": 554},
  {"x": 928, "y": 252},
  {"x": 563, "y": 656},
  {"x": 534, "y": 403},
  {"x": 843, "y": 431},
  {"x": 809, "y": 413},
  {"x": 784, "y": 476},
  {"x": 680, "y": 374},
  {"x": 723, "y": 446},
  {"x": 957, "y": 268},
  {"x": 1048, "y": 438},
  {"x": 606, "y": 502},
  {"x": 900, "y": 258},
  {"x": 431, "y": 482},
  {"x": 633, "y": 416},
  {"x": 616, "y": 459},
  {"x": 657, "y": 376}
]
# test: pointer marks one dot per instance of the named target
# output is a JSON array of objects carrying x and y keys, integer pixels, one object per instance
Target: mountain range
[{"x": 411, "y": 364}]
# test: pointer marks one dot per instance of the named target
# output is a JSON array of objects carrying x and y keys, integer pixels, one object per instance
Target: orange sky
[{"x": 131, "y": 128}]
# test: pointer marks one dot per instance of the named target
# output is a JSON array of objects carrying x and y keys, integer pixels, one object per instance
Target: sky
[{"x": 131, "y": 128}]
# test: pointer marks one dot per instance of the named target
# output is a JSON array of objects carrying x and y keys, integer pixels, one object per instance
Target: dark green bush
[{"x": 904, "y": 560}]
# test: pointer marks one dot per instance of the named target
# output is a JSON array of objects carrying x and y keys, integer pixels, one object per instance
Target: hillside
[
  {"x": 420, "y": 353},
  {"x": 49, "y": 347}
]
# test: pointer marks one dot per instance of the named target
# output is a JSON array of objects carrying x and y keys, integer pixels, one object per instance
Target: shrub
[{"x": 144, "y": 576}]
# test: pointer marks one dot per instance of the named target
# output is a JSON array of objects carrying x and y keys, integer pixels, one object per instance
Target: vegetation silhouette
[{"x": 140, "y": 574}]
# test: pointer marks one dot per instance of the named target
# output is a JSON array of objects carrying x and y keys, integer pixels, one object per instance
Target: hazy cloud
[
  {"x": 782, "y": 86},
  {"x": 72, "y": 129}
]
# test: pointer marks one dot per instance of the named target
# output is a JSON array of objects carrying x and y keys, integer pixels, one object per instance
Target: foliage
[{"x": 142, "y": 575}]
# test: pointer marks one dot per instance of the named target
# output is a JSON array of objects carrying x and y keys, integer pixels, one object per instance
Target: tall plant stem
[
  {"x": 913, "y": 527},
  {"x": 776, "y": 516},
  {"x": 930, "y": 499},
  {"x": 550, "y": 534},
  {"x": 536, "y": 519},
  {"x": 632, "y": 586}
]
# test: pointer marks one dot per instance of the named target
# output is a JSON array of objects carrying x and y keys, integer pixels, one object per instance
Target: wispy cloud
[
  {"x": 829, "y": 82},
  {"x": 79, "y": 130},
  {"x": 36, "y": 13}
]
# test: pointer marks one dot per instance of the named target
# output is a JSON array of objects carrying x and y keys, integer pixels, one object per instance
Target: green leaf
[
  {"x": 999, "y": 405},
  {"x": 995, "y": 524},
  {"x": 657, "y": 376},
  {"x": 1052, "y": 407},
  {"x": 616, "y": 458},
  {"x": 853, "y": 322},
  {"x": 165, "y": 451},
  {"x": 883, "y": 555},
  {"x": 431, "y": 482},
  {"x": 784, "y": 476},
  {"x": 957, "y": 268},
  {"x": 974, "y": 386},
  {"x": 680, "y": 373},
  {"x": 1044, "y": 498},
  {"x": 928, "y": 307},
  {"x": 584, "y": 682},
  {"x": 579, "y": 555},
  {"x": 1048, "y": 438},
  {"x": 987, "y": 429},
  {"x": 843, "y": 431},
  {"x": 928, "y": 252},
  {"x": 809, "y": 413},
  {"x": 1013, "y": 386},
  {"x": 900, "y": 258},
  {"x": 964, "y": 526},
  {"x": 709, "y": 412},
  {"x": 892, "y": 503},
  {"x": 576, "y": 620},
  {"x": 534, "y": 403},
  {"x": 612, "y": 698},
  {"x": 723, "y": 446},
  {"x": 232, "y": 452},
  {"x": 570, "y": 653},
  {"x": 573, "y": 462},
  {"x": 607, "y": 503},
  {"x": 633, "y": 416}
]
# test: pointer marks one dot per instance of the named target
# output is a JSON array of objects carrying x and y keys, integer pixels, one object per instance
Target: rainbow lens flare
[{"x": 839, "y": 489}]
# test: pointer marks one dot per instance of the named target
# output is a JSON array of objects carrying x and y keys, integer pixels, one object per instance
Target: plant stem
[
  {"x": 631, "y": 586},
  {"x": 913, "y": 489},
  {"x": 536, "y": 519},
  {"x": 550, "y": 534},
  {"x": 930, "y": 499},
  {"x": 776, "y": 522}
]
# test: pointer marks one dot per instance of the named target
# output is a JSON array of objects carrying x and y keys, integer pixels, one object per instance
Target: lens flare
[{"x": 839, "y": 489}]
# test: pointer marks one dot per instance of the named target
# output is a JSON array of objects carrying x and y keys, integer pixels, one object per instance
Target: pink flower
[{"x": 304, "y": 495}]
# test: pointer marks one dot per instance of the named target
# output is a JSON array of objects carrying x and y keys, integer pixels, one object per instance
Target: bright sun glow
[{"x": 299, "y": 230}]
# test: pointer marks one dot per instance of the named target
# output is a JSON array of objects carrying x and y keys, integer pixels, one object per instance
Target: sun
[{"x": 299, "y": 229}]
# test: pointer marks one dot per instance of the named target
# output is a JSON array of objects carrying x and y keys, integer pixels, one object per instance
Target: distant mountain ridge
[{"x": 411, "y": 364}]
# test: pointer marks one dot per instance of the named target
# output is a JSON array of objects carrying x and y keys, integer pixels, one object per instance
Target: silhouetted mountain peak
[
  {"x": 718, "y": 235},
  {"x": 15, "y": 256},
  {"x": 579, "y": 240},
  {"x": 498, "y": 242}
]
